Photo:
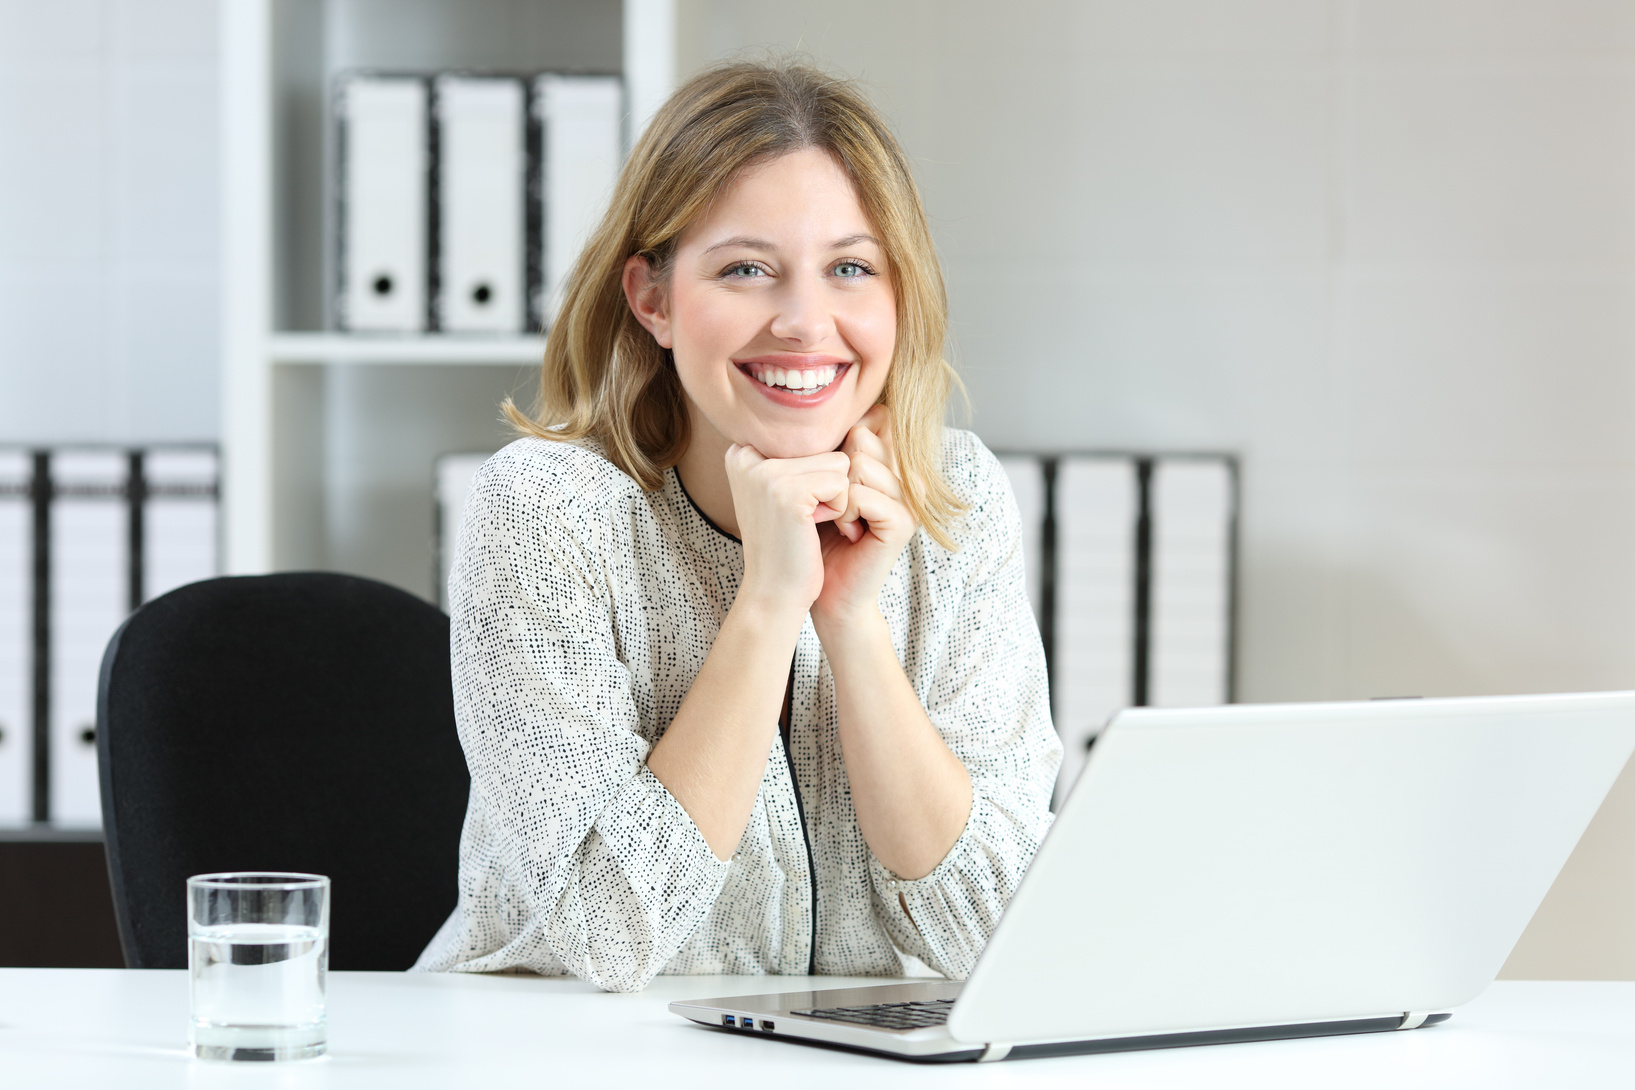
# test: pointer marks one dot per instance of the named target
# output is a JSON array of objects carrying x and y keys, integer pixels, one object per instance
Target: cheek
[
  {"x": 702, "y": 332},
  {"x": 873, "y": 335},
  {"x": 707, "y": 321}
]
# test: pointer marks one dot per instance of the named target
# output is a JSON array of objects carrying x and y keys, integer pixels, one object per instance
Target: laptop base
[{"x": 791, "y": 1032}]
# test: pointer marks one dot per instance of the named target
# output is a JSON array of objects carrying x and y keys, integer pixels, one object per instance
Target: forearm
[
  {"x": 713, "y": 754},
  {"x": 911, "y": 793}
]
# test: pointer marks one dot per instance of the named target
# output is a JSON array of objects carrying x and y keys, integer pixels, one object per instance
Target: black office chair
[{"x": 299, "y": 722}]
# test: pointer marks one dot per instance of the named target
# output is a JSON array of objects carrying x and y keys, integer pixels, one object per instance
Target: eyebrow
[{"x": 749, "y": 243}]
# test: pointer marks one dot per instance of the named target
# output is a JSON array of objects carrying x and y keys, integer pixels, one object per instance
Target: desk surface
[{"x": 109, "y": 1027}]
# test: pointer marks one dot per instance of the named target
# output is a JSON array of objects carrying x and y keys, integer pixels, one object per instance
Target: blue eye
[
  {"x": 849, "y": 269},
  {"x": 746, "y": 270}
]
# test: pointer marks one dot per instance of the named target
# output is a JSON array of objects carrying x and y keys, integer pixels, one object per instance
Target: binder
[
  {"x": 383, "y": 212},
  {"x": 581, "y": 148},
  {"x": 179, "y": 519},
  {"x": 16, "y": 638},
  {"x": 454, "y": 474},
  {"x": 1097, "y": 503},
  {"x": 90, "y": 597},
  {"x": 481, "y": 175},
  {"x": 1192, "y": 503},
  {"x": 1027, "y": 479}
]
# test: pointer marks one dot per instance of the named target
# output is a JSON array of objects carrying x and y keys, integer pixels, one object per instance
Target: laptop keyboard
[{"x": 917, "y": 1015}]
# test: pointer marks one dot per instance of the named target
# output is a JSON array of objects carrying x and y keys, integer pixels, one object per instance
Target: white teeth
[{"x": 815, "y": 379}]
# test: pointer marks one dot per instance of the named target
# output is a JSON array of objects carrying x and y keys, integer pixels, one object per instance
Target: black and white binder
[
  {"x": 16, "y": 637},
  {"x": 90, "y": 598},
  {"x": 179, "y": 519},
  {"x": 1097, "y": 504},
  {"x": 383, "y": 146},
  {"x": 481, "y": 237},
  {"x": 454, "y": 476},
  {"x": 1027, "y": 480},
  {"x": 581, "y": 147},
  {"x": 1192, "y": 503}
]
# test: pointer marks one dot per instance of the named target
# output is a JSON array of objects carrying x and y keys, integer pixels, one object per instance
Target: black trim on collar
[{"x": 699, "y": 511}]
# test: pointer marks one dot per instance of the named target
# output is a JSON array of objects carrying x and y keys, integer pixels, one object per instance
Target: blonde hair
[{"x": 605, "y": 377}]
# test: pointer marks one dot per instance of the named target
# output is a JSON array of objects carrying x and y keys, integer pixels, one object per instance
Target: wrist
[
  {"x": 842, "y": 630},
  {"x": 767, "y": 612}
]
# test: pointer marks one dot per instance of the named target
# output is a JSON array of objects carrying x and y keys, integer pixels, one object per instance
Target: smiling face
[{"x": 779, "y": 311}]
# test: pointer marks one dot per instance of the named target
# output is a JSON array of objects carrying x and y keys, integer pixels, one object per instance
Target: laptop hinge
[
  {"x": 994, "y": 1052},
  {"x": 1413, "y": 1019}
]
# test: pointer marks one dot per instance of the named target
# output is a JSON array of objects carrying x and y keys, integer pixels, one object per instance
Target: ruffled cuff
[
  {"x": 946, "y": 917},
  {"x": 622, "y": 930}
]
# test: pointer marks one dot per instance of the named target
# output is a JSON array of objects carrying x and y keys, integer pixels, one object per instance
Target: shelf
[
  {"x": 332, "y": 467},
  {"x": 50, "y": 834},
  {"x": 433, "y": 349}
]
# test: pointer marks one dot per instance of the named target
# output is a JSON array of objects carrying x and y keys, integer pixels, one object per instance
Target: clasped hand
[{"x": 821, "y": 532}]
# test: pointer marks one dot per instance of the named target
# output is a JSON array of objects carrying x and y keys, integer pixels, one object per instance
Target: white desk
[{"x": 108, "y": 1028}]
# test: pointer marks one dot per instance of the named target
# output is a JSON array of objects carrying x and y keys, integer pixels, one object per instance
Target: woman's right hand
[{"x": 779, "y": 503}]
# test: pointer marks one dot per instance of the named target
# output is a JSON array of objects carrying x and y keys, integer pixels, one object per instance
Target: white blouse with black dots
[{"x": 583, "y": 607}]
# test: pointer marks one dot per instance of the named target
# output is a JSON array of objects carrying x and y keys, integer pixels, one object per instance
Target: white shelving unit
[{"x": 328, "y": 438}]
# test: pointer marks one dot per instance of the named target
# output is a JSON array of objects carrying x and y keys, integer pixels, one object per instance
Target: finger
[
  {"x": 869, "y": 470},
  {"x": 832, "y": 461},
  {"x": 823, "y": 493},
  {"x": 878, "y": 421},
  {"x": 861, "y": 440},
  {"x": 847, "y": 520},
  {"x": 743, "y": 456},
  {"x": 886, "y": 517}
]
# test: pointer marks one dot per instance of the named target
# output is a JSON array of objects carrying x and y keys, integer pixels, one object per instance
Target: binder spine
[
  {"x": 16, "y": 637},
  {"x": 481, "y": 167},
  {"x": 454, "y": 474},
  {"x": 89, "y": 598},
  {"x": 581, "y": 149},
  {"x": 534, "y": 220},
  {"x": 434, "y": 220},
  {"x": 381, "y": 209},
  {"x": 40, "y": 497},
  {"x": 1193, "y": 503}
]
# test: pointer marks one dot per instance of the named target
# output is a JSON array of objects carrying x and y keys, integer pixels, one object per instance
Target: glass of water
[{"x": 258, "y": 959}]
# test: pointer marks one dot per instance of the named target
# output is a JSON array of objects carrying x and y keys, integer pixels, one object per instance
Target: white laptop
[{"x": 1254, "y": 872}]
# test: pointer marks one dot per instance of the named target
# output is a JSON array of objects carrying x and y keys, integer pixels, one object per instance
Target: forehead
[{"x": 803, "y": 193}]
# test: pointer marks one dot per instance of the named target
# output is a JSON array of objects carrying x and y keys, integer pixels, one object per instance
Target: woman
[{"x": 743, "y": 663}]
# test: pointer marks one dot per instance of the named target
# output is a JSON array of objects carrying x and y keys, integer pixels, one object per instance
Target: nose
[{"x": 803, "y": 320}]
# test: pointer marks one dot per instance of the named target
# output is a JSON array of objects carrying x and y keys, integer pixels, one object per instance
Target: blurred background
[{"x": 1381, "y": 251}]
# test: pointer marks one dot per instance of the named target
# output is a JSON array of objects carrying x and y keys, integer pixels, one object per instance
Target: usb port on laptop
[
  {"x": 749, "y": 1023},
  {"x": 728, "y": 1020}
]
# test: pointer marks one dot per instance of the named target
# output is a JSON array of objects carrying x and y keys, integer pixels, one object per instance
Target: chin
[{"x": 796, "y": 442}]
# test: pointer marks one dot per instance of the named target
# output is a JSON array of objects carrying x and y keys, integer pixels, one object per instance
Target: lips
[{"x": 795, "y": 381}]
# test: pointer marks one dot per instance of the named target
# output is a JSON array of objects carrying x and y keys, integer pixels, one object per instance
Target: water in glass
[{"x": 257, "y": 959}]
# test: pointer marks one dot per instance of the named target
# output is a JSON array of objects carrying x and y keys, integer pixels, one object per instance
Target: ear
[{"x": 649, "y": 299}]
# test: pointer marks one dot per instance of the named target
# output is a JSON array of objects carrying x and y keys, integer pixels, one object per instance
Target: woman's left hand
[{"x": 861, "y": 546}]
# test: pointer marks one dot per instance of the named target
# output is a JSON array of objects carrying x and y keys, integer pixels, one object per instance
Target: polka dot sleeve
[
  {"x": 982, "y": 681},
  {"x": 612, "y": 871}
]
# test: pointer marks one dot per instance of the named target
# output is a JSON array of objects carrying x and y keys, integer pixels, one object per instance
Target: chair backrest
[{"x": 301, "y": 721}]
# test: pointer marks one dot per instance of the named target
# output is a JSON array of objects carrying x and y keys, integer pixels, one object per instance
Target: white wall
[
  {"x": 1384, "y": 249},
  {"x": 107, "y": 220}
]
